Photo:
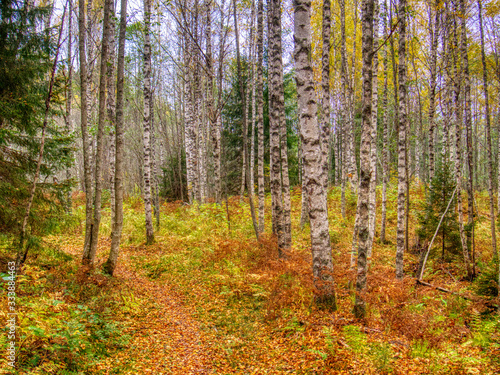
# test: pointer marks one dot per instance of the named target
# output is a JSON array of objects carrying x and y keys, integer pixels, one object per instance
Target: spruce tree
[
  {"x": 437, "y": 198},
  {"x": 26, "y": 53}
]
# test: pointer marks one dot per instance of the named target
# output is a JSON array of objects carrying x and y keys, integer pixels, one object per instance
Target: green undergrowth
[
  {"x": 260, "y": 309},
  {"x": 224, "y": 276},
  {"x": 66, "y": 321}
]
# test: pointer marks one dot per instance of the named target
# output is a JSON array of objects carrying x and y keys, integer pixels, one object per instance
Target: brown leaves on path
[{"x": 164, "y": 337}]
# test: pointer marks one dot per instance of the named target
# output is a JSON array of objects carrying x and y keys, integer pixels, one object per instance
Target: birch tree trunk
[
  {"x": 366, "y": 175},
  {"x": 260, "y": 113},
  {"x": 402, "y": 126},
  {"x": 245, "y": 124},
  {"x": 117, "y": 225},
  {"x": 457, "y": 118},
  {"x": 154, "y": 166},
  {"x": 374, "y": 117},
  {"x": 285, "y": 181},
  {"x": 217, "y": 124},
  {"x": 434, "y": 30},
  {"x": 468, "y": 121},
  {"x": 313, "y": 166},
  {"x": 69, "y": 94},
  {"x": 285, "y": 184},
  {"x": 89, "y": 257},
  {"x": 250, "y": 111},
  {"x": 304, "y": 212},
  {"x": 197, "y": 110},
  {"x": 274, "y": 122},
  {"x": 488, "y": 131},
  {"x": 211, "y": 112},
  {"x": 325, "y": 82},
  {"x": 147, "y": 124},
  {"x": 111, "y": 107},
  {"x": 190, "y": 130},
  {"x": 351, "y": 166},
  {"x": 252, "y": 121},
  {"x": 84, "y": 126},
  {"x": 385, "y": 153},
  {"x": 344, "y": 107}
]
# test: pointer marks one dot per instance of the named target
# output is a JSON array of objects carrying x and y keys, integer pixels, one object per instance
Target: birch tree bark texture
[
  {"x": 69, "y": 94},
  {"x": 385, "y": 141},
  {"x": 90, "y": 251},
  {"x": 111, "y": 107},
  {"x": 110, "y": 265},
  {"x": 366, "y": 175},
  {"x": 373, "y": 124},
  {"x": 260, "y": 113},
  {"x": 313, "y": 166},
  {"x": 468, "y": 125},
  {"x": 84, "y": 125},
  {"x": 325, "y": 82},
  {"x": 402, "y": 126},
  {"x": 147, "y": 124},
  {"x": 274, "y": 27}
]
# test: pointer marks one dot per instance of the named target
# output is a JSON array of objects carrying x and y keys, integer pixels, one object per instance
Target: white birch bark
[
  {"x": 110, "y": 265},
  {"x": 402, "y": 126},
  {"x": 434, "y": 29},
  {"x": 252, "y": 121},
  {"x": 260, "y": 114},
  {"x": 69, "y": 94},
  {"x": 147, "y": 124},
  {"x": 274, "y": 122},
  {"x": 344, "y": 127},
  {"x": 325, "y": 82},
  {"x": 313, "y": 167},
  {"x": 373, "y": 147},
  {"x": 488, "y": 132},
  {"x": 89, "y": 257},
  {"x": 84, "y": 126},
  {"x": 110, "y": 83},
  {"x": 189, "y": 122},
  {"x": 366, "y": 173},
  {"x": 468, "y": 123},
  {"x": 385, "y": 121}
]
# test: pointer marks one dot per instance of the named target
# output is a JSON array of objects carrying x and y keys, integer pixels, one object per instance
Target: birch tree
[
  {"x": 402, "y": 126},
  {"x": 434, "y": 37},
  {"x": 111, "y": 107},
  {"x": 366, "y": 172},
  {"x": 313, "y": 166},
  {"x": 69, "y": 92},
  {"x": 117, "y": 224},
  {"x": 374, "y": 116},
  {"x": 90, "y": 251},
  {"x": 274, "y": 22},
  {"x": 147, "y": 124},
  {"x": 325, "y": 82},
  {"x": 488, "y": 130},
  {"x": 260, "y": 113},
  {"x": 245, "y": 124},
  {"x": 457, "y": 118},
  {"x": 468, "y": 120},
  {"x": 385, "y": 121},
  {"x": 84, "y": 125}
]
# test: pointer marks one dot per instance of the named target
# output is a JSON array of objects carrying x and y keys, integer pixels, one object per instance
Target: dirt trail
[{"x": 165, "y": 338}]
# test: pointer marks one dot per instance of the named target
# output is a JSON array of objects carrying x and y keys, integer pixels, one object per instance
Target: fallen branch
[
  {"x": 424, "y": 283},
  {"x": 441, "y": 289}
]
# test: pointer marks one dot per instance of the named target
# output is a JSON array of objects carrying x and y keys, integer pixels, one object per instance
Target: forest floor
[{"x": 207, "y": 298}]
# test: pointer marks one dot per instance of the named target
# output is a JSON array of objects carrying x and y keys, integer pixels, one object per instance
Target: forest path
[{"x": 164, "y": 337}]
